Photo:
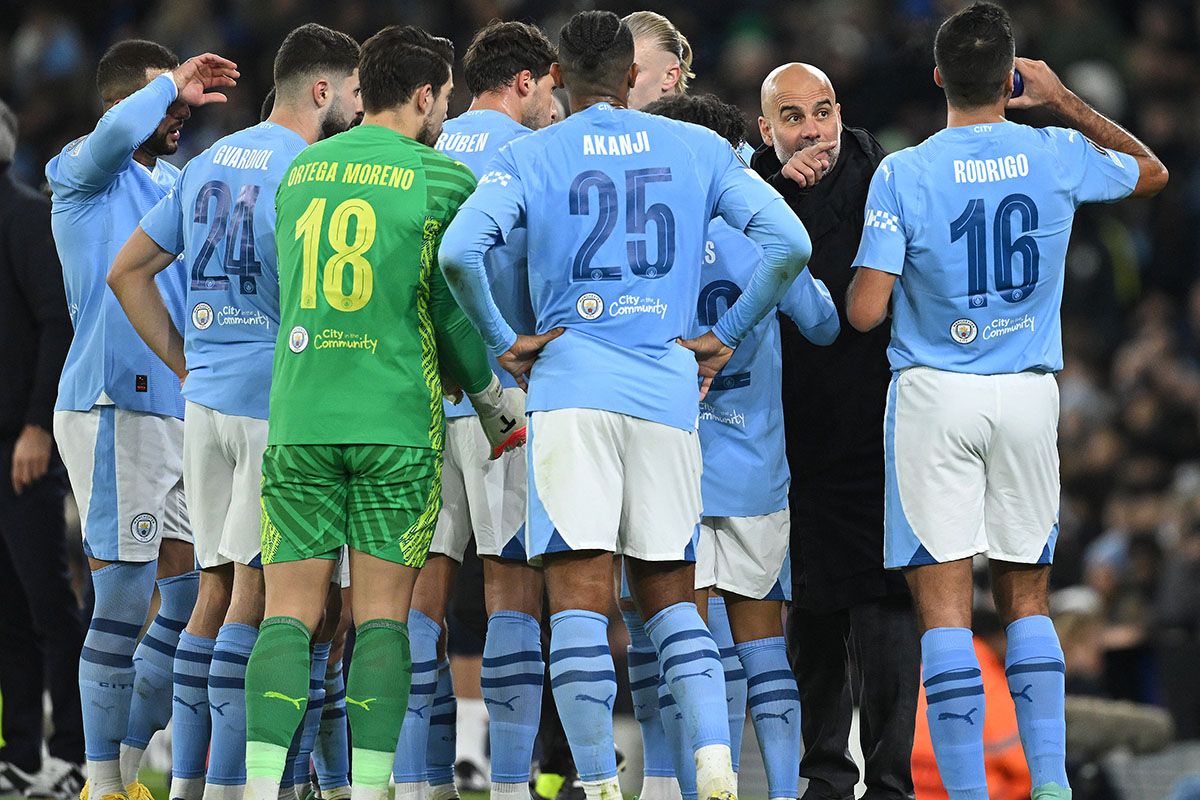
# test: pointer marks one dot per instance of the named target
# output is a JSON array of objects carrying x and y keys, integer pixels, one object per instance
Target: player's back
[
  {"x": 616, "y": 206},
  {"x": 93, "y": 214},
  {"x": 227, "y": 204},
  {"x": 985, "y": 215},
  {"x": 359, "y": 218},
  {"x": 474, "y": 138}
]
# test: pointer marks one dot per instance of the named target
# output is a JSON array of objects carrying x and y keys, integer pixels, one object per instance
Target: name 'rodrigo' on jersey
[
  {"x": 741, "y": 418},
  {"x": 221, "y": 213},
  {"x": 474, "y": 138},
  {"x": 976, "y": 221},
  {"x": 616, "y": 204}
]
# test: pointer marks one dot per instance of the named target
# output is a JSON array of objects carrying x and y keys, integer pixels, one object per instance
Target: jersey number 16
[{"x": 971, "y": 223}]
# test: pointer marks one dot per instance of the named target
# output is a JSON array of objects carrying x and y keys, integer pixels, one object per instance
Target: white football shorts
[
  {"x": 971, "y": 467},
  {"x": 744, "y": 555}
]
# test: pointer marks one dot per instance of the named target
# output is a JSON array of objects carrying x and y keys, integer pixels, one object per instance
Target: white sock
[
  {"x": 510, "y": 791},
  {"x": 443, "y": 791},
  {"x": 659, "y": 787},
  {"x": 607, "y": 789},
  {"x": 131, "y": 762},
  {"x": 261, "y": 788},
  {"x": 714, "y": 771},
  {"x": 336, "y": 793},
  {"x": 472, "y": 722},
  {"x": 104, "y": 777},
  {"x": 410, "y": 791},
  {"x": 187, "y": 788},
  {"x": 215, "y": 791}
]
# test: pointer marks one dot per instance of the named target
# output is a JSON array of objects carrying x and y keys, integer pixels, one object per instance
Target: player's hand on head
[
  {"x": 806, "y": 167},
  {"x": 519, "y": 358},
  {"x": 197, "y": 77},
  {"x": 711, "y": 357},
  {"x": 1043, "y": 87}
]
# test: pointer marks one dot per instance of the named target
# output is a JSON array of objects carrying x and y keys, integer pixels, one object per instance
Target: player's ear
[
  {"x": 674, "y": 73},
  {"x": 937, "y": 78},
  {"x": 525, "y": 83},
  {"x": 321, "y": 92},
  {"x": 633, "y": 71},
  {"x": 764, "y": 130},
  {"x": 556, "y": 75},
  {"x": 425, "y": 98}
]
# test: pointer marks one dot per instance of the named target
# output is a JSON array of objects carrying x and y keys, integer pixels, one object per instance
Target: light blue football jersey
[
  {"x": 99, "y": 195},
  {"x": 975, "y": 222},
  {"x": 741, "y": 418},
  {"x": 221, "y": 216},
  {"x": 474, "y": 138},
  {"x": 616, "y": 204}
]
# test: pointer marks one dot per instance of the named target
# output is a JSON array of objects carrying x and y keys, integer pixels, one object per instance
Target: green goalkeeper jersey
[{"x": 364, "y": 309}]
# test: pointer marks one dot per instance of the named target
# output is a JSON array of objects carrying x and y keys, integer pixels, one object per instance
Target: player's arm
[
  {"x": 124, "y": 127},
  {"x": 881, "y": 252},
  {"x": 809, "y": 305},
  {"x": 132, "y": 281},
  {"x": 1044, "y": 89}
]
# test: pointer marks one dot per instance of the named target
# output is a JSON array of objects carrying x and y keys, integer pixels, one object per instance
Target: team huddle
[{"x": 358, "y": 336}]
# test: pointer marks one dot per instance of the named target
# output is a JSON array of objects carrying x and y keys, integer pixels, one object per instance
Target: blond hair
[{"x": 662, "y": 32}]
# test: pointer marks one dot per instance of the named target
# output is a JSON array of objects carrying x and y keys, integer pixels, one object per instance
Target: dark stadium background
[{"x": 1128, "y": 563}]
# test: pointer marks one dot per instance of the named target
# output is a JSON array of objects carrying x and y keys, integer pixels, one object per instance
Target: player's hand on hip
[
  {"x": 197, "y": 77},
  {"x": 1043, "y": 88},
  {"x": 519, "y": 358},
  {"x": 806, "y": 167},
  {"x": 711, "y": 357},
  {"x": 31, "y": 457}
]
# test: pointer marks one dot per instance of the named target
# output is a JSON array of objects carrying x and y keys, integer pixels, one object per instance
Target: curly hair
[
  {"x": 595, "y": 51},
  {"x": 503, "y": 49},
  {"x": 706, "y": 110}
]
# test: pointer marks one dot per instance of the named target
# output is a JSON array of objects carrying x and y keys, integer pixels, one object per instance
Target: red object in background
[{"x": 1007, "y": 772}]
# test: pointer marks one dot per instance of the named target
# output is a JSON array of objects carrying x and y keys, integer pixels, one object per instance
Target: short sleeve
[
  {"x": 500, "y": 193},
  {"x": 164, "y": 222},
  {"x": 883, "y": 242},
  {"x": 738, "y": 191},
  {"x": 1094, "y": 174}
]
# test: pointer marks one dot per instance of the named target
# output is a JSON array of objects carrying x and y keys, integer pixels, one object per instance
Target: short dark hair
[
  {"x": 503, "y": 49},
  {"x": 974, "y": 52},
  {"x": 268, "y": 105},
  {"x": 399, "y": 60},
  {"x": 314, "y": 48},
  {"x": 595, "y": 51},
  {"x": 706, "y": 110},
  {"x": 122, "y": 69}
]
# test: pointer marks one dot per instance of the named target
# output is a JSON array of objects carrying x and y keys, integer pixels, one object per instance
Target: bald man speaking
[{"x": 843, "y": 599}]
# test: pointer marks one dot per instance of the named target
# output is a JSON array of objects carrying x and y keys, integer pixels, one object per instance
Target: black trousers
[
  {"x": 870, "y": 650},
  {"x": 41, "y": 625}
]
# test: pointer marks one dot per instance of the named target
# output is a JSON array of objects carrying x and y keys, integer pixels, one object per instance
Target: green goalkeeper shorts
[{"x": 382, "y": 500}]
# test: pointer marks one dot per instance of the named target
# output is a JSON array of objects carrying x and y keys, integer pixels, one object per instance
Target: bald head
[
  {"x": 799, "y": 109},
  {"x": 793, "y": 78}
]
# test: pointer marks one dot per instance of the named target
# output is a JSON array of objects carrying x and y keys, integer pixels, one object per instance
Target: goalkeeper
[{"x": 356, "y": 424}]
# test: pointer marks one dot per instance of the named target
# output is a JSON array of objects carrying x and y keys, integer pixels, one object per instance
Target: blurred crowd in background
[{"x": 1128, "y": 568}]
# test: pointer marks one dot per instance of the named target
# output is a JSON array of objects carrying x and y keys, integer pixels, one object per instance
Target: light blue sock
[
  {"x": 735, "y": 676},
  {"x": 682, "y": 753},
  {"x": 643, "y": 685},
  {"x": 312, "y": 712},
  {"x": 227, "y": 702},
  {"x": 584, "y": 683},
  {"x": 106, "y": 673},
  {"x": 511, "y": 680},
  {"x": 331, "y": 753},
  {"x": 189, "y": 712},
  {"x": 954, "y": 691},
  {"x": 443, "y": 730},
  {"x": 775, "y": 711},
  {"x": 412, "y": 748},
  {"x": 154, "y": 659},
  {"x": 692, "y": 669},
  {"x": 1035, "y": 668}
]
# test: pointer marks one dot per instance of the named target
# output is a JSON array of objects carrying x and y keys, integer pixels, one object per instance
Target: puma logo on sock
[
  {"x": 296, "y": 701},
  {"x": 769, "y": 715},
  {"x": 220, "y": 709},
  {"x": 707, "y": 673},
  {"x": 945, "y": 715},
  {"x": 587, "y": 698},
  {"x": 487, "y": 701},
  {"x": 194, "y": 707},
  {"x": 363, "y": 704},
  {"x": 1024, "y": 693}
]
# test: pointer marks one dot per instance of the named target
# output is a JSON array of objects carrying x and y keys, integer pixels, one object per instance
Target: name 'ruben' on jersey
[
  {"x": 474, "y": 138},
  {"x": 221, "y": 214},
  {"x": 741, "y": 418},
  {"x": 975, "y": 220},
  {"x": 616, "y": 204}
]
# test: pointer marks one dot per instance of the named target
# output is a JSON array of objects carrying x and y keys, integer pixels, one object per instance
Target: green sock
[
  {"x": 276, "y": 694},
  {"x": 377, "y": 698}
]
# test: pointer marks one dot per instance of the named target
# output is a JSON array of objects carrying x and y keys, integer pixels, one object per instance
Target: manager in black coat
[{"x": 850, "y": 621}]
